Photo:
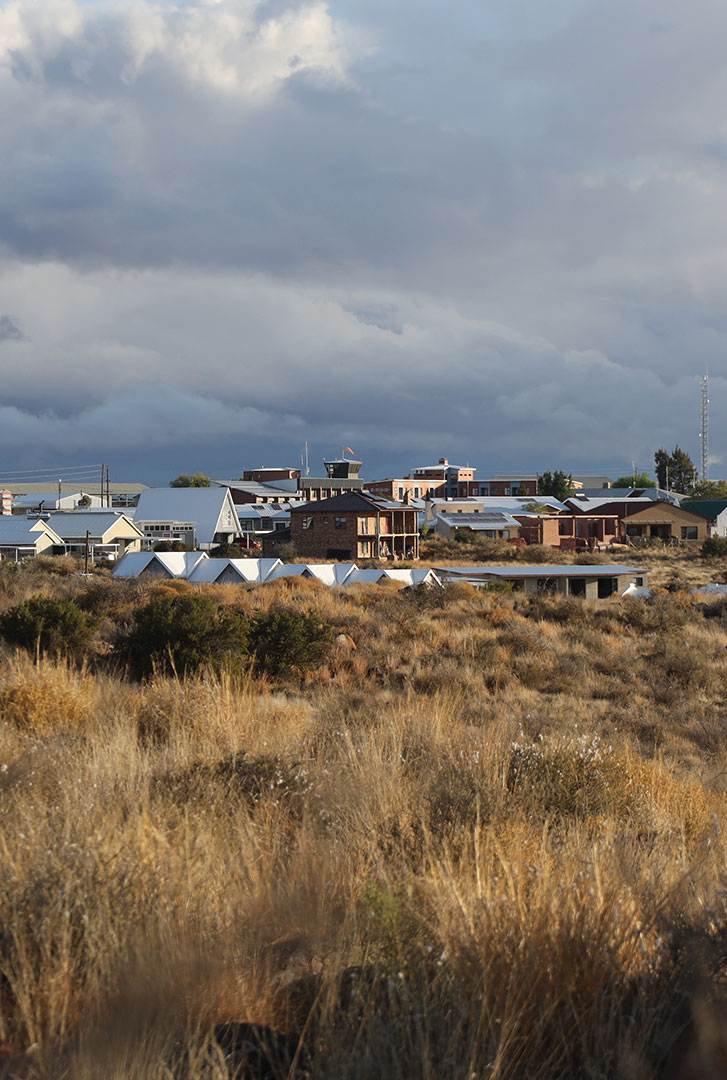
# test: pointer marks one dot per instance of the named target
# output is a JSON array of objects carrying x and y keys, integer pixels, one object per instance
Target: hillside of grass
[{"x": 488, "y": 841}]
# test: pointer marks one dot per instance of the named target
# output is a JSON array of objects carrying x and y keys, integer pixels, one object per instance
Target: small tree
[
  {"x": 638, "y": 480},
  {"x": 558, "y": 485},
  {"x": 84, "y": 502},
  {"x": 715, "y": 547},
  {"x": 710, "y": 489},
  {"x": 280, "y": 640},
  {"x": 183, "y": 635},
  {"x": 45, "y": 625},
  {"x": 675, "y": 471},
  {"x": 197, "y": 479}
]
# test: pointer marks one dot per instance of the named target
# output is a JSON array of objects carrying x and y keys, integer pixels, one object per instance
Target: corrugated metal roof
[
  {"x": 73, "y": 524},
  {"x": 597, "y": 570},
  {"x": 709, "y": 508},
  {"x": 486, "y": 519},
  {"x": 202, "y": 506},
  {"x": 24, "y": 531}
]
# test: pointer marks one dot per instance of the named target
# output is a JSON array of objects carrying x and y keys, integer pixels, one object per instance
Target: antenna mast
[{"x": 704, "y": 426}]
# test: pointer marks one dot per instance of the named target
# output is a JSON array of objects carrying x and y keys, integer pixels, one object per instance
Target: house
[
  {"x": 260, "y": 519},
  {"x": 120, "y": 493},
  {"x": 22, "y": 536},
  {"x": 355, "y": 526},
  {"x": 493, "y": 524},
  {"x": 714, "y": 510},
  {"x": 158, "y": 564},
  {"x": 253, "y": 492},
  {"x": 589, "y": 582},
  {"x": 664, "y": 521},
  {"x": 198, "y": 517},
  {"x": 108, "y": 533},
  {"x": 46, "y": 501},
  {"x": 511, "y": 504}
]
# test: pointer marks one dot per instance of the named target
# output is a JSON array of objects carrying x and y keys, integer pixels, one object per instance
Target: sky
[{"x": 494, "y": 231}]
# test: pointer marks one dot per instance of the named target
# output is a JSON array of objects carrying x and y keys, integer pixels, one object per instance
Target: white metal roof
[
  {"x": 535, "y": 571},
  {"x": 178, "y": 564},
  {"x": 74, "y": 524},
  {"x": 16, "y": 531},
  {"x": 203, "y": 506}
]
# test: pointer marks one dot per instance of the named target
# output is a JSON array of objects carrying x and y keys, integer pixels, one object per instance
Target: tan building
[
  {"x": 667, "y": 522},
  {"x": 354, "y": 526}
]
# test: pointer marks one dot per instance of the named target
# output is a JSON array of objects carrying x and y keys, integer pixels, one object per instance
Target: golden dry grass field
[{"x": 488, "y": 842}]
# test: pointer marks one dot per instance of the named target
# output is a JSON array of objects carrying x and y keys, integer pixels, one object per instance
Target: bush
[
  {"x": 574, "y": 777},
  {"x": 288, "y": 639},
  {"x": 714, "y": 547},
  {"x": 183, "y": 634},
  {"x": 43, "y": 624}
]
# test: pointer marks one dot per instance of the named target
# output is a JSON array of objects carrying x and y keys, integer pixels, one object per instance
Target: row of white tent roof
[{"x": 199, "y": 568}]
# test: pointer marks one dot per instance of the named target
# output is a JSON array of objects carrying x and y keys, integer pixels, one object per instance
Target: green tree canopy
[
  {"x": 675, "y": 471},
  {"x": 710, "y": 489},
  {"x": 558, "y": 485},
  {"x": 197, "y": 479},
  {"x": 640, "y": 480}
]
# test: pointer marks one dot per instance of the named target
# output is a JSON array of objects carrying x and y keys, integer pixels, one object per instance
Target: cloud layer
[{"x": 235, "y": 225}]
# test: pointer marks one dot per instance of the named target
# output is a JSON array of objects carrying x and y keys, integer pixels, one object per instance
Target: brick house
[{"x": 354, "y": 526}]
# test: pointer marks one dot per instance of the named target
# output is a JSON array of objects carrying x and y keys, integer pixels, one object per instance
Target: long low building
[
  {"x": 198, "y": 568},
  {"x": 592, "y": 582}
]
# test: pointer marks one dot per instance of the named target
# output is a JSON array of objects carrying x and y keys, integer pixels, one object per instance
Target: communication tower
[{"x": 704, "y": 426}]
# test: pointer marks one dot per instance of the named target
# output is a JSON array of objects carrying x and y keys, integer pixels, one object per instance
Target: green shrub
[
  {"x": 280, "y": 640},
  {"x": 714, "y": 547},
  {"x": 183, "y": 635},
  {"x": 43, "y": 624}
]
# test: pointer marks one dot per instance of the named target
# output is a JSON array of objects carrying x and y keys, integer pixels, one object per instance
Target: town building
[
  {"x": 21, "y": 537},
  {"x": 197, "y": 517},
  {"x": 354, "y": 526},
  {"x": 588, "y": 582},
  {"x": 714, "y": 510},
  {"x": 104, "y": 533}
]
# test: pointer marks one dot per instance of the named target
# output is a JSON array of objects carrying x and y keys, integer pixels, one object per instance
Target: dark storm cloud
[{"x": 500, "y": 235}]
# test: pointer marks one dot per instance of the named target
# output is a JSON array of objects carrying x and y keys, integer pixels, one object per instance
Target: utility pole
[
  {"x": 108, "y": 488},
  {"x": 85, "y": 561}
]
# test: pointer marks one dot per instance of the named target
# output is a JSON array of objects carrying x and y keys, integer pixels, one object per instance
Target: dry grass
[{"x": 489, "y": 842}]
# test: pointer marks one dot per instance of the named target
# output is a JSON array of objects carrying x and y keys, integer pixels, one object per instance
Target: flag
[{"x": 347, "y": 448}]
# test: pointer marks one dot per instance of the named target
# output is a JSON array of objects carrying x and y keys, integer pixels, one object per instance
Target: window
[
  {"x": 308, "y": 522},
  {"x": 402, "y": 492},
  {"x": 363, "y": 526},
  {"x": 341, "y": 521},
  {"x": 607, "y": 587},
  {"x": 690, "y": 532},
  {"x": 416, "y": 492},
  {"x": 363, "y": 548}
]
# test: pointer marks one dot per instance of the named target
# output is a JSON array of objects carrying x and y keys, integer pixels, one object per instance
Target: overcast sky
[{"x": 495, "y": 231}]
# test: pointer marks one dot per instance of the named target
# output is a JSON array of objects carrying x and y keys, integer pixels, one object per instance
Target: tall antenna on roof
[{"x": 704, "y": 426}]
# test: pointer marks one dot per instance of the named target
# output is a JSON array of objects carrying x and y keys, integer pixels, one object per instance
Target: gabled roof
[
  {"x": 251, "y": 571},
  {"x": 327, "y": 573},
  {"x": 74, "y": 524},
  {"x": 202, "y": 506},
  {"x": 350, "y": 501},
  {"x": 178, "y": 564},
  {"x": 23, "y": 531},
  {"x": 709, "y": 508}
]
